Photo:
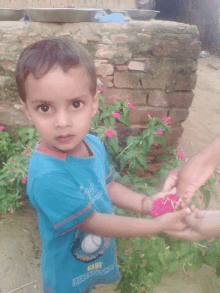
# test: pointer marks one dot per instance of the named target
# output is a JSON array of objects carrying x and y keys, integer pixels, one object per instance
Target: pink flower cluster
[
  {"x": 109, "y": 133},
  {"x": 163, "y": 205},
  {"x": 167, "y": 120},
  {"x": 116, "y": 115},
  {"x": 131, "y": 106},
  {"x": 24, "y": 180},
  {"x": 2, "y": 128},
  {"x": 159, "y": 131}
]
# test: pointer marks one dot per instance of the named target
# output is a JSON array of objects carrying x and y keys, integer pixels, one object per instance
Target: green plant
[
  {"x": 142, "y": 260},
  {"x": 14, "y": 162}
]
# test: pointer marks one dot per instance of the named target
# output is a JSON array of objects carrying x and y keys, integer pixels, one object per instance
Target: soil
[{"x": 20, "y": 244}]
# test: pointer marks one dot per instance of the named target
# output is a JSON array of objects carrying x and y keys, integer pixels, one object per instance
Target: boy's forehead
[{"x": 75, "y": 79}]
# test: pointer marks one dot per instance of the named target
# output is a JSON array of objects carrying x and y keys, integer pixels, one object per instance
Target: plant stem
[{"x": 124, "y": 150}]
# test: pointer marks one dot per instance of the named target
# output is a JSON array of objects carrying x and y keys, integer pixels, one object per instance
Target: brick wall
[{"x": 153, "y": 63}]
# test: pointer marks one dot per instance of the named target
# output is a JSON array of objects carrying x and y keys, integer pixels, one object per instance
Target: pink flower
[
  {"x": 148, "y": 238},
  {"x": 2, "y": 128},
  {"x": 219, "y": 180},
  {"x": 24, "y": 180},
  {"x": 109, "y": 133},
  {"x": 11, "y": 180},
  {"x": 22, "y": 202},
  {"x": 180, "y": 154},
  {"x": 112, "y": 114},
  {"x": 12, "y": 160},
  {"x": 25, "y": 153},
  {"x": 102, "y": 89},
  {"x": 167, "y": 120},
  {"x": 200, "y": 197},
  {"x": 187, "y": 275},
  {"x": 159, "y": 131},
  {"x": 117, "y": 115},
  {"x": 131, "y": 106}
]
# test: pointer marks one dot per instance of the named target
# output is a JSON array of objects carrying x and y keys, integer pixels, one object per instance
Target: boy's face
[{"x": 61, "y": 105}]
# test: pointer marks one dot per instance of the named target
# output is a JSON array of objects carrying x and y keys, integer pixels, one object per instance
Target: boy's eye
[
  {"x": 77, "y": 105},
  {"x": 44, "y": 108}
]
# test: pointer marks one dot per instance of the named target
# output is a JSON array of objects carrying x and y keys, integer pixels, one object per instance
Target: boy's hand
[
  {"x": 148, "y": 202},
  {"x": 173, "y": 221}
]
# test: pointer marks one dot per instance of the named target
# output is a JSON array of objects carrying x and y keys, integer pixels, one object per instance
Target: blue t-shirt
[{"x": 66, "y": 191}]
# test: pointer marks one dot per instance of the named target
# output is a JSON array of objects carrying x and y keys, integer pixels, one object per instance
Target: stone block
[
  {"x": 139, "y": 115},
  {"x": 177, "y": 116},
  {"x": 126, "y": 79},
  {"x": 121, "y": 56},
  {"x": 107, "y": 80},
  {"x": 104, "y": 69},
  {"x": 135, "y": 97},
  {"x": 135, "y": 65},
  {"x": 119, "y": 38},
  {"x": 172, "y": 99}
]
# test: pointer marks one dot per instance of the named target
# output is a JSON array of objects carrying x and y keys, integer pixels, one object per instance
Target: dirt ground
[{"x": 19, "y": 238}]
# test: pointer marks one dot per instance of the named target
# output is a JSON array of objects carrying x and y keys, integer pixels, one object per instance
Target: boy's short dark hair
[{"x": 39, "y": 57}]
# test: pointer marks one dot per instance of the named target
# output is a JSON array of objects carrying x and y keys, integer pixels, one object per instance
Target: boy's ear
[
  {"x": 95, "y": 105},
  {"x": 25, "y": 109}
]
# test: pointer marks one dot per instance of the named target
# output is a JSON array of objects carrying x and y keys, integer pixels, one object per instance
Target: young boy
[{"x": 70, "y": 182}]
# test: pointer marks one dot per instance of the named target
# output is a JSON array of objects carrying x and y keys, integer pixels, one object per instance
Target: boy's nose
[{"x": 62, "y": 119}]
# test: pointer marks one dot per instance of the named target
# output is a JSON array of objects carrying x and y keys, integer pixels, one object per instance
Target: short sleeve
[
  {"x": 61, "y": 201},
  {"x": 108, "y": 170}
]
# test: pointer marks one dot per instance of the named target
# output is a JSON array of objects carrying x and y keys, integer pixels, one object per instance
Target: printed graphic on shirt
[
  {"x": 87, "y": 247},
  {"x": 97, "y": 272}
]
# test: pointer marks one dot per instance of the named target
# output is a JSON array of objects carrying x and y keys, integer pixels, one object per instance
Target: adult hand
[
  {"x": 189, "y": 177},
  {"x": 203, "y": 224}
]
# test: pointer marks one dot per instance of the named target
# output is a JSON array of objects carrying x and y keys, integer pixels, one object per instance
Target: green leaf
[
  {"x": 206, "y": 196},
  {"x": 218, "y": 268},
  {"x": 124, "y": 119}
]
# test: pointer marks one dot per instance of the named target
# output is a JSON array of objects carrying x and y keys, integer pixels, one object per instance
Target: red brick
[
  {"x": 135, "y": 97},
  {"x": 144, "y": 36},
  {"x": 126, "y": 79},
  {"x": 178, "y": 116},
  {"x": 185, "y": 82},
  {"x": 139, "y": 115},
  {"x": 104, "y": 51},
  {"x": 173, "y": 136},
  {"x": 94, "y": 38},
  {"x": 121, "y": 67},
  {"x": 119, "y": 38},
  {"x": 174, "y": 99}
]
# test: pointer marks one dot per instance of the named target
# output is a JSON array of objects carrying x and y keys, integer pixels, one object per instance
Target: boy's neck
[{"x": 82, "y": 151}]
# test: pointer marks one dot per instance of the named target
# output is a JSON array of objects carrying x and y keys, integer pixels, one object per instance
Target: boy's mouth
[{"x": 65, "y": 138}]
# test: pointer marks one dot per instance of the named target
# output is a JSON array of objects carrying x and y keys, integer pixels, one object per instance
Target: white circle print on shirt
[{"x": 91, "y": 243}]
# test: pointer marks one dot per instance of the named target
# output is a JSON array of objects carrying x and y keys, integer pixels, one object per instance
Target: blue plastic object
[{"x": 114, "y": 17}]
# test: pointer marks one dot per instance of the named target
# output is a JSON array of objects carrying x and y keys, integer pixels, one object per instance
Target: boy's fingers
[{"x": 192, "y": 221}]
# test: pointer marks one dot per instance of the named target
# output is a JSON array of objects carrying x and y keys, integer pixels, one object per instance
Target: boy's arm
[
  {"x": 127, "y": 199},
  {"x": 110, "y": 225}
]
